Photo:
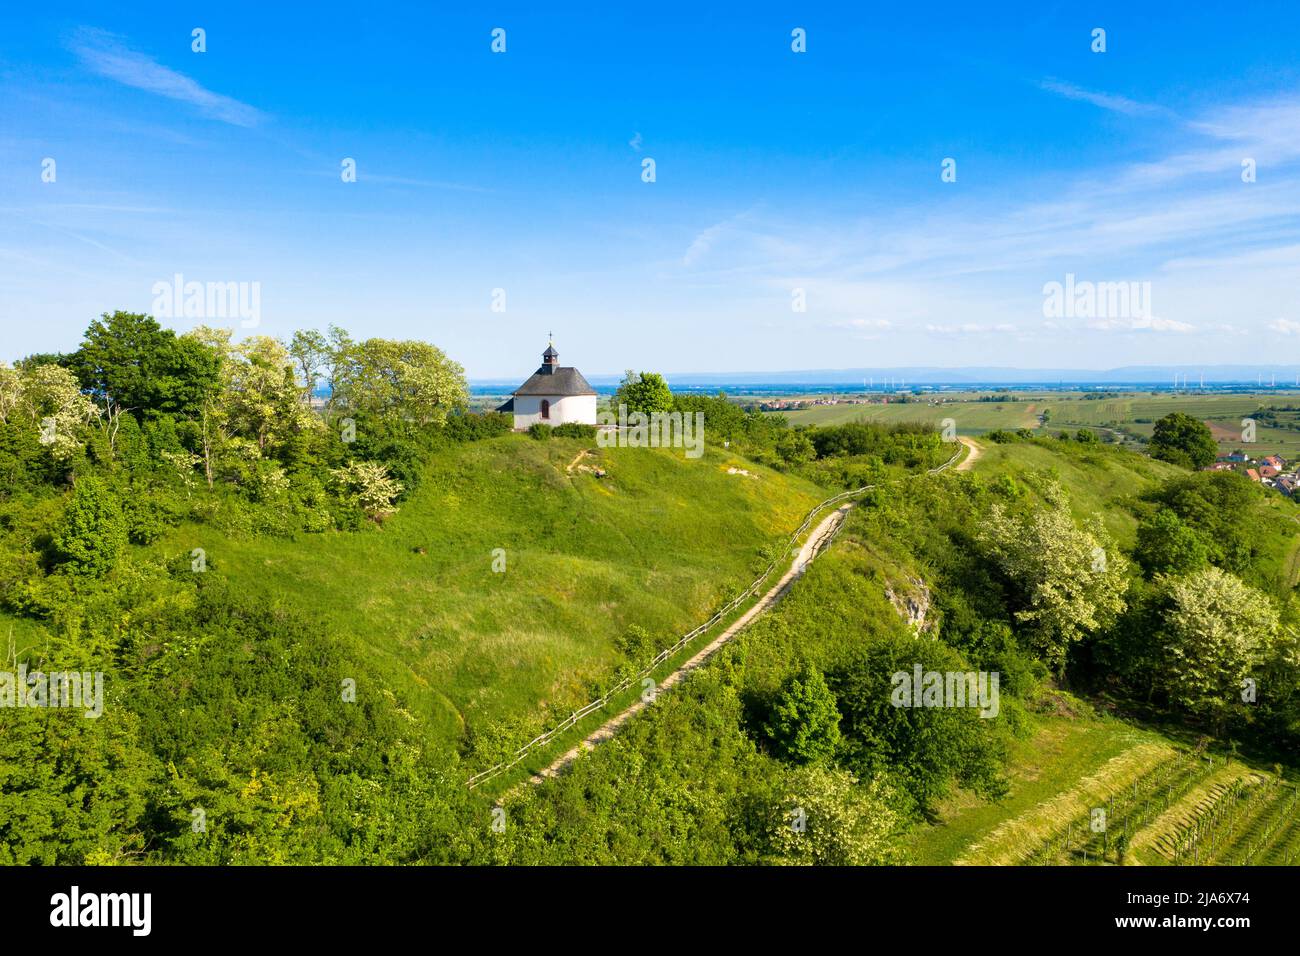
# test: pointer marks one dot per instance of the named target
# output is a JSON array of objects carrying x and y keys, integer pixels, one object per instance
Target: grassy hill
[
  {"x": 658, "y": 542},
  {"x": 681, "y": 779},
  {"x": 1101, "y": 480}
]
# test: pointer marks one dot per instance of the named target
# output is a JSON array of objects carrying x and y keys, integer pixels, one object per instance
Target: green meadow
[{"x": 659, "y": 542}]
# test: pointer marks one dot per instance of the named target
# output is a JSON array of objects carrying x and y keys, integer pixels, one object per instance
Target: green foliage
[
  {"x": 821, "y": 817},
  {"x": 540, "y": 431},
  {"x": 804, "y": 726},
  {"x": 93, "y": 532},
  {"x": 905, "y": 443},
  {"x": 637, "y": 644},
  {"x": 73, "y": 790},
  {"x": 1221, "y": 508},
  {"x": 47, "y": 402},
  {"x": 643, "y": 392},
  {"x": 574, "y": 430},
  {"x": 925, "y": 749},
  {"x": 794, "y": 448},
  {"x": 369, "y": 487},
  {"x": 410, "y": 380},
  {"x": 129, "y": 361},
  {"x": 1183, "y": 440},
  {"x": 1215, "y": 633},
  {"x": 466, "y": 427},
  {"x": 1066, "y": 581},
  {"x": 1166, "y": 545}
]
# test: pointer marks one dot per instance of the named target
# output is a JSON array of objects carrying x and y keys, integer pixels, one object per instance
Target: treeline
[
  {"x": 325, "y": 430},
  {"x": 844, "y": 456}
]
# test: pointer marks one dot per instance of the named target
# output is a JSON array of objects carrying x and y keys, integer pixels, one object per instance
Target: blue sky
[{"x": 775, "y": 171}]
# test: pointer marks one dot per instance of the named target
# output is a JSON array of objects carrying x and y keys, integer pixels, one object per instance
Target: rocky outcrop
[{"x": 912, "y": 604}]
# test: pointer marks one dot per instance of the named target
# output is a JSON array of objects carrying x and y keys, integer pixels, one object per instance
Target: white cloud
[
  {"x": 1106, "y": 101},
  {"x": 1285, "y": 326},
  {"x": 104, "y": 54},
  {"x": 1218, "y": 250},
  {"x": 971, "y": 328},
  {"x": 1144, "y": 323}
]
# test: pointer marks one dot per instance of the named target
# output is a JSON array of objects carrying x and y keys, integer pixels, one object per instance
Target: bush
[
  {"x": 93, "y": 532},
  {"x": 574, "y": 430},
  {"x": 148, "y": 517},
  {"x": 540, "y": 431},
  {"x": 804, "y": 725},
  {"x": 467, "y": 427}
]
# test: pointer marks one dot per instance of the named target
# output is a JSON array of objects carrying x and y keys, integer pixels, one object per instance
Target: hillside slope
[{"x": 658, "y": 542}]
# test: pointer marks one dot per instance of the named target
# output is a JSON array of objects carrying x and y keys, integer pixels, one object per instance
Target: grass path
[{"x": 967, "y": 463}]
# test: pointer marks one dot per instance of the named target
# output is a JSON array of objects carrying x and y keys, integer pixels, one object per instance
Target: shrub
[
  {"x": 540, "y": 431},
  {"x": 805, "y": 723},
  {"x": 93, "y": 533},
  {"x": 574, "y": 430},
  {"x": 367, "y": 485},
  {"x": 467, "y": 427},
  {"x": 147, "y": 517}
]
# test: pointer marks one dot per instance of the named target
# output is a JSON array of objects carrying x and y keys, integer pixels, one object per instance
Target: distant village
[
  {"x": 1271, "y": 471},
  {"x": 794, "y": 404}
]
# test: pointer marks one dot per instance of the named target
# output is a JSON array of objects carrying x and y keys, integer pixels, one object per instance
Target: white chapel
[{"x": 553, "y": 395}]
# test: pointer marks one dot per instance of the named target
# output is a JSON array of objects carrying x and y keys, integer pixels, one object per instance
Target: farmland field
[
  {"x": 1169, "y": 804},
  {"x": 972, "y": 417},
  {"x": 1132, "y": 413}
]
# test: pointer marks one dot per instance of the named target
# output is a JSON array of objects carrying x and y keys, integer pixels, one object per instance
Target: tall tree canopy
[
  {"x": 410, "y": 380},
  {"x": 1183, "y": 440},
  {"x": 129, "y": 361},
  {"x": 644, "y": 392}
]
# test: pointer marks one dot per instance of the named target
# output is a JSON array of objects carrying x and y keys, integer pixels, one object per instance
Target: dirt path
[
  {"x": 817, "y": 541},
  {"x": 967, "y": 463}
]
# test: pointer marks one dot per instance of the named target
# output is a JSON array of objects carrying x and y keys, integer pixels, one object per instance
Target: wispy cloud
[
  {"x": 106, "y": 54},
  {"x": 387, "y": 180},
  {"x": 1215, "y": 247},
  {"x": 635, "y": 142},
  {"x": 970, "y": 328},
  {"x": 1106, "y": 101}
]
